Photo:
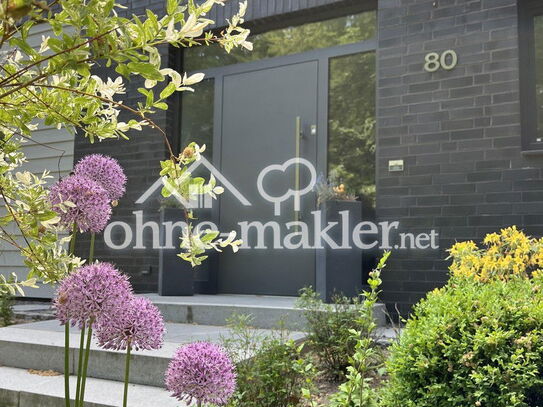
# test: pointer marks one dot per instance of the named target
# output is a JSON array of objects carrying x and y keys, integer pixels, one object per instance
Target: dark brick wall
[{"x": 458, "y": 132}]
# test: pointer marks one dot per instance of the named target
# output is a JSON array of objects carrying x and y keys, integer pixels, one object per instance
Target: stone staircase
[{"x": 28, "y": 351}]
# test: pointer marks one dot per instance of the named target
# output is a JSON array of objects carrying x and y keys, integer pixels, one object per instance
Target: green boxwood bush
[{"x": 471, "y": 344}]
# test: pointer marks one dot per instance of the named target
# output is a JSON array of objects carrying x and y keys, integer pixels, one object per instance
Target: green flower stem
[
  {"x": 78, "y": 393},
  {"x": 80, "y": 364},
  {"x": 85, "y": 365},
  {"x": 74, "y": 236},
  {"x": 91, "y": 251},
  {"x": 126, "y": 375},
  {"x": 67, "y": 364},
  {"x": 67, "y": 337}
]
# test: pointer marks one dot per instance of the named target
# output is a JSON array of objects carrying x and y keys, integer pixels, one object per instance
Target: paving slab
[{"x": 19, "y": 388}]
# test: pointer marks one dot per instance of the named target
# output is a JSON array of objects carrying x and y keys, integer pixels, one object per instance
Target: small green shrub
[
  {"x": 271, "y": 369},
  {"x": 471, "y": 344},
  {"x": 330, "y": 326},
  {"x": 328, "y": 329}
]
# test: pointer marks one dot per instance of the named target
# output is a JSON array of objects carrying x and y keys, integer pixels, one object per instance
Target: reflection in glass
[
  {"x": 287, "y": 41},
  {"x": 538, "y": 26},
  {"x": 351, "y": 121},
  {"x": 197, "y": 116}
]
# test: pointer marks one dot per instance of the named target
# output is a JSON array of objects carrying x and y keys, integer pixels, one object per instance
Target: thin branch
[
  {"x": 75, "y": 47},
  {"x": 10, "y": 209},
  {"x": 18, "y": 134},
  {"x": 6, "y": 237},
  {"x": 22, "y": 85},
  {"x": 117, "y": 104},
  {"x": 45, "y": 104}
]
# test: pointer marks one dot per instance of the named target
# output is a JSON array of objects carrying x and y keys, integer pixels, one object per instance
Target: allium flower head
[
  {"x": 90, "y": 205},
  {"x": 203, "y": 372},
  {"x": 137, "y": 322},
  {"x": 89, "y": 293},
  {"x": 106, "y": 171}
]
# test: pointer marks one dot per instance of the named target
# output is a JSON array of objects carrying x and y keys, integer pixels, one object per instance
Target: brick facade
[{"x": 458, "y": 131}]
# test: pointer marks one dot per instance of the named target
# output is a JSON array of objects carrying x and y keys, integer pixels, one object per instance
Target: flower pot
[{"x": 339, "y": 271}]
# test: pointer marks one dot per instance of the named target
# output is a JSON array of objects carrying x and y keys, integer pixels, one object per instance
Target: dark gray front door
[{"x": 259, "y": 115}]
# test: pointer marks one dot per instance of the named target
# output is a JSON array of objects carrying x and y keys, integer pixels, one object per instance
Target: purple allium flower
[
  {"x": 89, "y": 293},
  {"x": 106, "y": 171},
  {"x": 136, "y": 322},
  {"x": 91, "y": 208},
  {"x": 203, "y": 372}
]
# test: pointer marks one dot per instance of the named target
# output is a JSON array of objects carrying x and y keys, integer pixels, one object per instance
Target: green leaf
[
  {"x": 161, "y": 105},
  {"x": 123, "y": 70},
  {"x": 210, "y": 236},
  {"x": 148, "y": 71},
  {"x": 171, "y": 6},
  {"x": 165, "y": 192},
  {"x": 83, "y": 70},
  {"x": 150, "y": 96},
  {"x": 25, "y": 47},
  {"x": 167, "y": 91}
]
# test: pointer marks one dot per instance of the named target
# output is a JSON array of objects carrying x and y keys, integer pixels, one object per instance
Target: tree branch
[{"x": 119, "y": 105}]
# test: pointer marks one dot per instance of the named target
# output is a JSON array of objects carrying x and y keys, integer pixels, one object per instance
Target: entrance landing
[{"x": 267, "y": 311}]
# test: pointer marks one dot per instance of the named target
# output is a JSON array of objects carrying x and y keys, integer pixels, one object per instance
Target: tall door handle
[{"x": 298, "y": 137}]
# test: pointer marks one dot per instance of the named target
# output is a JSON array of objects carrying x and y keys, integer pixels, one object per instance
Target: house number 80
[{"x": 447, "y": 60}]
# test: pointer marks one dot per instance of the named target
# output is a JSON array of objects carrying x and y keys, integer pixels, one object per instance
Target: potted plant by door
[
  {"x": 339, "y": 270},
  {"x": 177, "y": 277}
]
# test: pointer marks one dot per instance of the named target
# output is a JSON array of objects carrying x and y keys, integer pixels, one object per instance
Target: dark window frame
[{"x": 528, "y": 10}]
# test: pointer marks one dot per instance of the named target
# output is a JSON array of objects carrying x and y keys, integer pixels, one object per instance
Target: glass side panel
[
  {"x": 197, "y": 116},
  {"x": 351, "y": 121},
  {"x": 287, "y": 41},
  {"x": 538, "y": 28}
]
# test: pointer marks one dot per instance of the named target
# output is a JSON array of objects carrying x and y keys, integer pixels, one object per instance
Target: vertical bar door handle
[{"x": 298, "y": 137}]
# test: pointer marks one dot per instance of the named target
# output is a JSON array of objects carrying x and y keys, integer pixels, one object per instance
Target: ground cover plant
[{"x": 272, "y": 370}]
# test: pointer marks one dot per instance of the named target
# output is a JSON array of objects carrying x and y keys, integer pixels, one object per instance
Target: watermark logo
[
  {"x": 278, "y": 234},
  {"x": 295, "y": 193},
  {"x": 203, "y": 201}
]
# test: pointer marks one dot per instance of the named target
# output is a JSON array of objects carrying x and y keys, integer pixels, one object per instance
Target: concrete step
[
  {"x": 267, "y": 311},
  {"x": 40, "y": 346},
  {"x": 33, "y": 311},
  {"x": 20, "y": 388}
]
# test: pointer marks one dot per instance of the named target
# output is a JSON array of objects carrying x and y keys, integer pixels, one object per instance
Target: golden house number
[{"x": 434, "y": 61}]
